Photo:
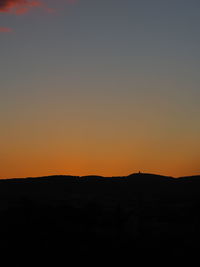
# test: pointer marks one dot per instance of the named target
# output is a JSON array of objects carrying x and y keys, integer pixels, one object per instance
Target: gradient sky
[{"x": 106, "y": 87}]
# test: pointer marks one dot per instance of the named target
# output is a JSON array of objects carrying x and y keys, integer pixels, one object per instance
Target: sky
[{"x": 107, "y": 87}]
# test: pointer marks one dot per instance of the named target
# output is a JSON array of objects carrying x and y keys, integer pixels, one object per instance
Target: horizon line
[{"x": 96, "y": 175}]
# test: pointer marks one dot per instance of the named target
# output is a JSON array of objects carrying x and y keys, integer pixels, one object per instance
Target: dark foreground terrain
[{"x": 58, "y": 218}]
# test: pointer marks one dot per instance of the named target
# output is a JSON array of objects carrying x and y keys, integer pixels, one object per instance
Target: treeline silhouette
[{"x": 119, "y": 217}]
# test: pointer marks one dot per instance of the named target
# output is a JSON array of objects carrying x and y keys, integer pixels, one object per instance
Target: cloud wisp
[
  {"x": 5, "y": 30},
  {"x": 19, "y": 7}
]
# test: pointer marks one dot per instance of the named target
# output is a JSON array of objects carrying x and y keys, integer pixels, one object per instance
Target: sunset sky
[{"x": 106, "y": 87}]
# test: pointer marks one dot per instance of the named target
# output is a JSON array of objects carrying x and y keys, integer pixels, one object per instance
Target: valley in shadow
[{"x": 120, "y": 217}]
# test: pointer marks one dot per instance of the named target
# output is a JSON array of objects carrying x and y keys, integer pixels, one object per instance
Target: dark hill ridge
[
  {"x": 54, "y": 188},
  {"x": 133, "y": 215}
]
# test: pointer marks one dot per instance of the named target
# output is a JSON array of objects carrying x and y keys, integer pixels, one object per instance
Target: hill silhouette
[{"x": 70, "y": 215}]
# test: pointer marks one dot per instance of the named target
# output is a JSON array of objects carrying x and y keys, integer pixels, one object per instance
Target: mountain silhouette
[{"x": 128, "y": 216}]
